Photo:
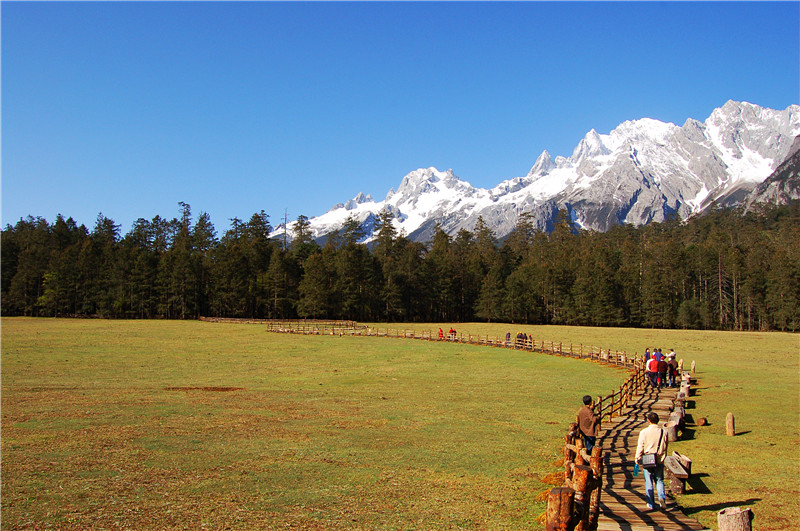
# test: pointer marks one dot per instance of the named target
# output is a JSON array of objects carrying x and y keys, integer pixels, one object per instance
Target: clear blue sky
[{"x": 127, "y": 108}]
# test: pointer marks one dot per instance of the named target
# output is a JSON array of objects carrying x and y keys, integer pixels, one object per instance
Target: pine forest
[{"x": 724, "y": 270}]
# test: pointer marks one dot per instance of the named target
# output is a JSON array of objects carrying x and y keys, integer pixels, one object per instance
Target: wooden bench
[{"x": 678, "y": 469}]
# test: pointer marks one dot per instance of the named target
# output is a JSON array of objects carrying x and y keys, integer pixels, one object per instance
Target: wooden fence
[
  {"x": 351, "y": 328},
  {"x": 583, "y": 473},
  {"x": 576, "y": 505}
]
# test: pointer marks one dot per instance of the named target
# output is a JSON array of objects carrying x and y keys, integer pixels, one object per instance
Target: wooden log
[
  {"x": 734, "y": 519},
  {"x": 596, "y": 462},
  {"x": 730, "y": 425},
  {"x": 569, "y": 454},
  {"x": 583, "y": 510},
  {"x": 671, "y": 429},
  {"x": 579, "y": 460},
  {"x": 677, "y": 417},
  {"x": 581, "y": 476},
  {"x": 560, "y": 502}
]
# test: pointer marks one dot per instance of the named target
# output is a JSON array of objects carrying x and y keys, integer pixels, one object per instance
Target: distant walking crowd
[
  {"x": 521, "y": 340},
  {"x": 661, "y": 369},
  {"x": 451, "y": 334}
]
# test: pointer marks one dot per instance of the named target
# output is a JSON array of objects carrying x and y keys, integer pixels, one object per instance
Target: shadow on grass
[
  {"x": 688, "y": 511},
  {"x": 738, "y": 433},
  {"x": 687, "y": 434},
  {"x": 697, "y": 485}
]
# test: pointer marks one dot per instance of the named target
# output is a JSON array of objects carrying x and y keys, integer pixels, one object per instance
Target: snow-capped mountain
[
  {"x": 642, "y": 171},
  {"x": 783, "y": 185}
]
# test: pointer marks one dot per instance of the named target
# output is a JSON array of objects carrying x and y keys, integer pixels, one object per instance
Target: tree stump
[
  {"x": 702, "y": 421},
  {"x": 734, "y": 519},
  {"x": 730, "y": 425},
  {"x": 559, "y": 509},
  {"x": 672, "y": 431}
]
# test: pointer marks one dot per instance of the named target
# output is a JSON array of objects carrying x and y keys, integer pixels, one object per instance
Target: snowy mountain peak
[
  {"x": 591, "y": 146},
  {"x": 642, "y": 130},
  {"x": 643, "y": 171},
  {"x": 543, "y": 165},
  {"x": 358, "y": 200},
  {"x": 420, "y": 179}
]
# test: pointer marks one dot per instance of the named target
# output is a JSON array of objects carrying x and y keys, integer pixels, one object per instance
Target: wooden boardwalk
[{"x": 622, "y": 503}]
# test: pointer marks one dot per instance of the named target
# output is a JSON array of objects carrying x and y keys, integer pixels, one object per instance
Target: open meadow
[{"x": 184, "y": 424}]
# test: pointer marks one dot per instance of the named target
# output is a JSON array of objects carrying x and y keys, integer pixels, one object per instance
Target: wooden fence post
[
  {"x": 596, "y": 462},
  {"x": 730, "y": 425},
  {"x": 559, "y": 509},
  {"x": 580, "y": 477}
]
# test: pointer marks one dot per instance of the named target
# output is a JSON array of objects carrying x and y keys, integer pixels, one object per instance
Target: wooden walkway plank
[{"x": 623, "y": 505}]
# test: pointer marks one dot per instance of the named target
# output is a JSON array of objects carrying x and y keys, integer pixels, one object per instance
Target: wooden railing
[
  {"x": 299, "y": 324},
  {"x": 583, "y": 473},
  {"x": 352, "y": 328},
  {"x": 613, "y": 404},
  {"x": 576, "y": 505}
]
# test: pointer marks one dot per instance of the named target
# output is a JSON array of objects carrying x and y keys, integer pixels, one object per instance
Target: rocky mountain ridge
[{"x": 642, "y": 171}]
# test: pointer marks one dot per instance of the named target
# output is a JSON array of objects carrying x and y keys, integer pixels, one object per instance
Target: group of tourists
[
  {"x": 521, "y": 340},
  {"x": 451, "y": 335},
  {"x": 661, "y": 369}
]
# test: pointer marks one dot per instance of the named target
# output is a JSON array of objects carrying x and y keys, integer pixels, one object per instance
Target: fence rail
[{"x": 352, "y": 328}]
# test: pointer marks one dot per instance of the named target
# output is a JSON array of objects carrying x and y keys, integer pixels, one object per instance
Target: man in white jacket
[{"x": 653, "y": 440}]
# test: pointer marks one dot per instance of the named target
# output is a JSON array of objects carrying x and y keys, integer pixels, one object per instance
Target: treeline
[{"x": 724, "y": 271}]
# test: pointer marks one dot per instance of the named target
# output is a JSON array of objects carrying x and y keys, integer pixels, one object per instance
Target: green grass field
[{"x": 163, "y": 424}]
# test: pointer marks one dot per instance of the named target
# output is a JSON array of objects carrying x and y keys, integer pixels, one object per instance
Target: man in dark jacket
[
  {"x": 588, "y": 423},
  {"x": 672, "y": 369},
  {"x": 662, "y": 372}
]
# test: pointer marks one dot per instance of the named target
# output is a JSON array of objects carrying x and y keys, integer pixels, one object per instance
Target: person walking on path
[
  {"x": 673, "y": 368},
  {"x": 652, "y": 371},
  {"x": 653, "y": 440},
  {"x": 588, "y": 422},
  {"x": 663, "y": 367}
]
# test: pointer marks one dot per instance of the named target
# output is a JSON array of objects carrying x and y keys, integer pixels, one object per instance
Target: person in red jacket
[{"x": 652, "y": 371}]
